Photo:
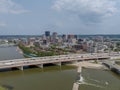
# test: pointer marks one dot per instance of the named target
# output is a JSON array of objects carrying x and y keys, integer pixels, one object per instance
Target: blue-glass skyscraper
[{"x": 47, "y": 33}]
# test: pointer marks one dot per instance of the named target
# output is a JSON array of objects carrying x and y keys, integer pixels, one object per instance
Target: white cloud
[
  {"x": 87, "y": 10},
  {"x": 3, "y": 24},
  {"x": 8, "y": 6}
]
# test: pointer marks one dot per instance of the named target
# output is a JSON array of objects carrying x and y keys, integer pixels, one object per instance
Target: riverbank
[
  {"x": 19, "y": 50},
  {"x": 85, "y": 64}
]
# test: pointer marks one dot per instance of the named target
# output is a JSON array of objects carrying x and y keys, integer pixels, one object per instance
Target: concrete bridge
[
  {"x": 112, "y": 66},
  {"x": 40, "y": 61}
]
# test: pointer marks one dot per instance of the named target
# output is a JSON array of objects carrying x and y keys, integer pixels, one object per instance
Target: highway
[{"x": 20, "y": 63}]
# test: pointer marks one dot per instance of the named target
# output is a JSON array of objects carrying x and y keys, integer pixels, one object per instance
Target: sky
[{"x": 34, "y": 17}]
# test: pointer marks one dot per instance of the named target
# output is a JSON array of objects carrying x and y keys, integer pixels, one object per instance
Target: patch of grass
[{"x": 1, "y": 88}]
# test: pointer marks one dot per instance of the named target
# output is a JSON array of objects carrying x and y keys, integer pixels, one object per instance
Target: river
[
  {"x": 55, "y": 77},
  {"x": 99, "y": 80},
  {"x": 9, "y": 53}
]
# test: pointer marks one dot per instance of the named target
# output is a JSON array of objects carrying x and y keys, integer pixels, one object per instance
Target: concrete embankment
[{"x": 75, "y": 86}]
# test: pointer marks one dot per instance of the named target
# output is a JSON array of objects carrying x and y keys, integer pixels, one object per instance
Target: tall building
[
  {"x": 54, "y": 35},
  {"x": 70, "y": 36},
  {"x": 64, "y": 37},
  {"x": 76, "y": 37},
  {"x": 47, "y": 33}
]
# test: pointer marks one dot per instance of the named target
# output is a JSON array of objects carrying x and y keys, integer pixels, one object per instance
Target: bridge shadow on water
[
  {"x": 45, "y": 66},
  {"x": 6, "y": 70}
]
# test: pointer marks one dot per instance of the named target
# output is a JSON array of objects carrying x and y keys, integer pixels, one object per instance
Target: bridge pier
[
  {"x": 58, "y": 63},
  {"x": 20, "y": 68},
  {"x": 40, "y": 65},
  {"x": 74, "y": 62},
  {"x": 110, "y": 67}
]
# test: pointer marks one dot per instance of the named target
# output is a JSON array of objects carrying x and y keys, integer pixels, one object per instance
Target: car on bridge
[{"x": 9, "y": 63}]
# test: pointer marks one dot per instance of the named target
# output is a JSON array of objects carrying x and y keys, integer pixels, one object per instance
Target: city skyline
[{"x": 20, "y": 17}]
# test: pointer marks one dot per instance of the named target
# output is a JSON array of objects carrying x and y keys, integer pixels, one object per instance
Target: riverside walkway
[
  {"x": 58, "y": 60},
  {"x": 112, "y": 66}
]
